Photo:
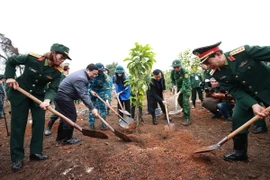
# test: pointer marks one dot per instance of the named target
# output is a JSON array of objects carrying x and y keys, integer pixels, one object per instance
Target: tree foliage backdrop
[{"x": 7, "y": 50}]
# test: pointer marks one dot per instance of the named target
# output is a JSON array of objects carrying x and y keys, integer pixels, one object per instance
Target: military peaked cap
[{"x": 204, "y": 52}]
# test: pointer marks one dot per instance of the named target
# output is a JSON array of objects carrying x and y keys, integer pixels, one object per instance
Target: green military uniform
[
  {"x": 36, "y": 76},
  {"x": 245, "y": 78},
  {"x": 182, "y": 81},
  {"x": 195, "y": 80}
]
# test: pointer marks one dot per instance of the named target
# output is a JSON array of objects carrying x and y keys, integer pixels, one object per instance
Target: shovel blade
[
  {"x": 206, "y": 149},
  {"x": 158, "y": 112},
  {"x": 127, "y": 123},
  {"x": 174, "y": 112},
  {"x": 94, "y": 134},
  {"x": 122, "y": 136},
  {"x": 169, "y": 127},
  {"x": 125, "y": 112}
]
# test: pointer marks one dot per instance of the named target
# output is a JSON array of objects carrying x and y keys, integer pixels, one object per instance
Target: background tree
[
  {"x": 140, "y": 64},
  {"x": 188, "y": 60},
  {"x": 7, "y": 50},
  {"x": 111, "y": 68}
]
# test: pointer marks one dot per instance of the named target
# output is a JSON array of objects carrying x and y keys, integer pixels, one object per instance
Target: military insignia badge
[
  {"x": 242, "y": 63},
  {"x": 186, "y": 75},
  {"x": 49, "y": 77}
]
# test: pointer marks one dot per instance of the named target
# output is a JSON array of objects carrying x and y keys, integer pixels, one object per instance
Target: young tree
[
  {"x": 188, "y": 60},
  {"x": 140, "y": 63}
]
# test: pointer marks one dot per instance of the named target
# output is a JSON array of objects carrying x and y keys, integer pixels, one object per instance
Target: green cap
[
  {"x": 61, "y": 49},
  {"x": 176, "y": 63},
  {"x": 119, "y": 69}
]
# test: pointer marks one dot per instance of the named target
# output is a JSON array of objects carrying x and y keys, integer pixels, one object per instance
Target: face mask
[{"x": 119, "y": 74}]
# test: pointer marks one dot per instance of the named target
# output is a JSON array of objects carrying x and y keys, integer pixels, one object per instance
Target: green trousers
[
  {"x": 183, "y": 100},
  {"x": 19, "y": 116},
  {"x": 241, "y": 116}
]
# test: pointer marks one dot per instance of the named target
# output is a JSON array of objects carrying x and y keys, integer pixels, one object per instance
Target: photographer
[{"x": 218, "y": 101}]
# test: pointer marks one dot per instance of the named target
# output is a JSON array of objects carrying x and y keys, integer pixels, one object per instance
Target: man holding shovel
[
  {"x": 181, "y": 81},
  {"x": 73, "y": 87},
  {"x": 155, "y": 94},
  {"x": 243, "y": 74}
]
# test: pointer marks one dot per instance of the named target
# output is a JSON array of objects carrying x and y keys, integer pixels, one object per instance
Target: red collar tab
[
  {"x": 210, "y": 51},
  {"x": 41, "y": 58}
]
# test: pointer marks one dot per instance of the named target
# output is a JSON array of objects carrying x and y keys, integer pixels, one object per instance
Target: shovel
[
  {"x": 230, "y": 136},
  {"x": 117, "y": 133},
  {"x": 175, "y": 111},
  {"x": 126, "y": 123},
  {"x": 122, "y": 110},
  {"x": 170, "y": 125},
  {"x": 85, "y": 132}
]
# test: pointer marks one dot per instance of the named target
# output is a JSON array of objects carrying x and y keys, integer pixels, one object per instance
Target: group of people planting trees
[{"x": 231, "y": 83}]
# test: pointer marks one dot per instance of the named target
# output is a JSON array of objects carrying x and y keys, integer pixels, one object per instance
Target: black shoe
[
  {"x": 154, "y": 121},
  {"x": 17, "y": 165},
  {"x": 237, "y": 155},
  {"x": 216, "y": 116},
  {"x": 165, "y": 117},
  {"x": 71, "y": 141},
  {"x": 38, "y": 157},
  {"x": 259, "y": 130}
]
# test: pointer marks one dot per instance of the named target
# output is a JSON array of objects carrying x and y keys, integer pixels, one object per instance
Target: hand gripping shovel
[
  {"x": 175, "y": 111},
  {"x": 85, "y": 132},
  {"x": 230, "y": 136},
  {"x": 126, "y": 123},
  {"x": 117, "y": 133},
  {"x": 122, "y": 110}
]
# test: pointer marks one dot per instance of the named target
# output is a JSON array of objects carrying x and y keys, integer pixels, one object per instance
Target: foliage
[
  {"x": 9, "y": 50},
  {"x": 111, "y": 68},
  {"x": 140, "y": 63},
  {"x": 167, "y": 76},
  {"x": 189, "y": 61}
]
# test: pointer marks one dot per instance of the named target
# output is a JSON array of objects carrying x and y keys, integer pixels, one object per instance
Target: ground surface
[{"x": 155, "y": 153}]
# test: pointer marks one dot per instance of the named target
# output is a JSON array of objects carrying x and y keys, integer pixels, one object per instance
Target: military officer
[
  {"x": 39, "y": 71},
  {"x": 195, "y": 80},
  {"x": 180, "y": 80},
  {"x": 241, "y": 72},
  {"x": 54, "y": 117}
]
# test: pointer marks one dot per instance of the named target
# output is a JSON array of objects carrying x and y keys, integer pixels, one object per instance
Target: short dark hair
[
  {"x": 157, "y": 71},
  {"x": 92, "y": 67}
]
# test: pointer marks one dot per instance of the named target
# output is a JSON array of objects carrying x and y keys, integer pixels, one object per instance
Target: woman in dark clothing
[{"x": 155, "y": 94}]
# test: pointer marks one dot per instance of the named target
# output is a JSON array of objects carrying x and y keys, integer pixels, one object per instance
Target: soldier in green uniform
[
  {"x": 195, "y": 80},
  {"x": 39, "y": 71},
  {"x": 181, "y": 81},
  {"x": 243, "y": 74}
]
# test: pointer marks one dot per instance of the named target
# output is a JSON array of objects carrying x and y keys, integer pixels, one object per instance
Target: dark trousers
[
  {"x": 194, "y": 95},
  {"x": 68, "y": 109},
  {"x": 19, "y": 116}
]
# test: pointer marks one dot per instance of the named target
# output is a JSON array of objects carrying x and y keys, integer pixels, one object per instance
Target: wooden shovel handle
[
  {"x": 248, "y": 123},
  {"x": 49, "y": 108},
  {"x": 109, "y": 106}
]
